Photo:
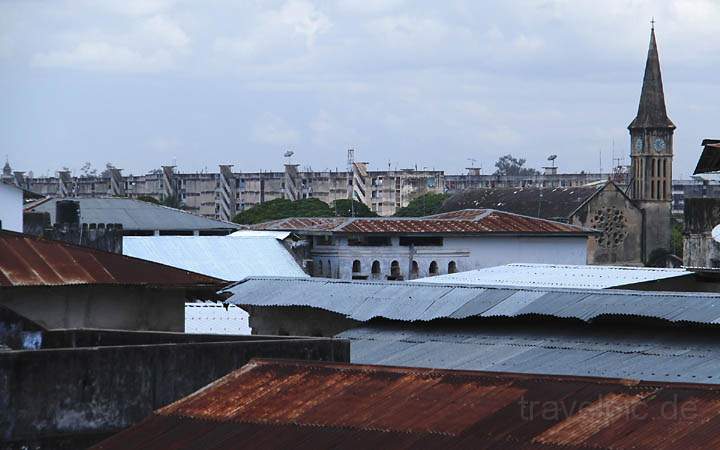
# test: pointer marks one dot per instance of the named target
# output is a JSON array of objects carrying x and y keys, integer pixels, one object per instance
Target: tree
[
  {"x": 509, "y": 166},
  {"x": 342, "y": 208},
  {"x": 281, "y": 208},
  {"x": 424, "y": 205},
  {"x": 106, "y": 173},
  {"x": 87, "y": 170},
  {"x": 147, "y": 198},
  {"x": 173, "y": 201}
]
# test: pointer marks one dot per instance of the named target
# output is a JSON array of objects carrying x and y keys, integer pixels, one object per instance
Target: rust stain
[
  {"x": 473, "y": 221},
  {"x": 27, "y": 260}
]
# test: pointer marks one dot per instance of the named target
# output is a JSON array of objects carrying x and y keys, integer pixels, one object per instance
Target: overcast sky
[{"x": 141, "y": 83}]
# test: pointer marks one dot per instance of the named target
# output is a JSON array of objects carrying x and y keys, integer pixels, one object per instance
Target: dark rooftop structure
[
  {"x": 138, "y": 217},
  {"x": 548, "y": 203},
  {"x": 275, "y": 404},
  {"x": 710, "y": 158},
  {"x": 651, "y": 111}
]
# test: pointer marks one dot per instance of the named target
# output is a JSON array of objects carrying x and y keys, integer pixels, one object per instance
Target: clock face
[
  {"x": 638, "y": 144},
  {"x": 659, "y": 145}
]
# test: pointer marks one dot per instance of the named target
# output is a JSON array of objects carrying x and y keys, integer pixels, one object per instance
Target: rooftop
[
  {"x": 32, "y": 261},
  {"x": 134, "y": 215},
  {"x": 225, "y": 257},
  {"x": 557, "y": 276},
  {"x": 287, "y": 404},
  {"x": 471, "y": 221},
  {"x": 548, "y": 203},
  {"x": 710, "y": 158},
  {"x": 680, "y": 354},
  {"x": 365, "y": 300}
]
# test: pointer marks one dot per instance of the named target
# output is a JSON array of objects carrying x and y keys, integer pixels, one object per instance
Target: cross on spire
[{"x": 652, "y": 23}]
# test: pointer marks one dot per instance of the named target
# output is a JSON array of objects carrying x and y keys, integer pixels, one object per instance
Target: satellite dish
[
  {"x": 716, "y": 233},
  {"x": 552, "y": 157},
  {"x": 289, "y": 153}
]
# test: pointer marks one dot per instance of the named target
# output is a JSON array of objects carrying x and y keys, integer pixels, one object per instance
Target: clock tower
[{"x": 651, "y": 153}]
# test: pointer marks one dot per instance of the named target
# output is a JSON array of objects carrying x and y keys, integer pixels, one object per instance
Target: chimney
[{"x": 67, "y": 212}]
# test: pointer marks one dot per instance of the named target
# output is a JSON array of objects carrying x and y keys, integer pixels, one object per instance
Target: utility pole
[
  {"x": 351, "y": 179},
  {"x": 411, "y": 254}
]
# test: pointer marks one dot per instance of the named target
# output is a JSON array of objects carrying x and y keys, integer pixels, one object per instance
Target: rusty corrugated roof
[
  {"x": 289, "y": 404},
  {"x": 469, "y": 221},
  {"x": 27, "y": 260}
]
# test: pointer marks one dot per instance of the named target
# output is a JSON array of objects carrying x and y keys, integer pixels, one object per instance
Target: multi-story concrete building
[{"x": 223, "y": 194}]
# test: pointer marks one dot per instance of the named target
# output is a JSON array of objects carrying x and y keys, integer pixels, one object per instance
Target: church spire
[{"x": 651, "y": 112}]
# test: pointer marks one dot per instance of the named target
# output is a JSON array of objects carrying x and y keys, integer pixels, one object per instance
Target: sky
[{"x": 427, "y": 84}]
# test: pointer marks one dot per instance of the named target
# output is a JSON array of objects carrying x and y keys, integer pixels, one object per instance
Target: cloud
[
  {"x": 277, "y": 35},
  {"x": 149, "y": 45},
  {"x": 274, "y": 130}
]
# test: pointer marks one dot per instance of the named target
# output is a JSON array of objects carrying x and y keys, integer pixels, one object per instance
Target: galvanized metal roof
[
  {"x": 674, "y": 355},
  {"x": 225, "y": 257},
  {"x": 135, "y": 214},
  {"x": 27, "y": 260},
  {"x": 474, "y": 221},
  {"x": 301, "y": 405},
  {"x": 557, "y": 276},
  {"x": 364, "y": 300},
  {"x": 279, "y": 235}
]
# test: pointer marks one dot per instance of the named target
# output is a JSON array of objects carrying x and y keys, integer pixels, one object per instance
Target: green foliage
[
  {"x": 281, "y": 208},
  {"x": 677, "y": 238},
  {"x": 425, "y": 205},
  {"x": 173, "y": 201},
  {"x": 147, "y": 198},
  {"x": 342, "y": 208},
  {"x": 509, "y": 166}
]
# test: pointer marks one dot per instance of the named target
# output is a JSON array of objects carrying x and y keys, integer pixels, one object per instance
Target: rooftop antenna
[
  {"x": 288, "y": 156},
  {"x": 351, "y": 180},
  {"x": 552, "y": 159}
]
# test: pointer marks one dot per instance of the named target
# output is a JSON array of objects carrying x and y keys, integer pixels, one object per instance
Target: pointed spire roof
[{"x": 651, "y": 112}]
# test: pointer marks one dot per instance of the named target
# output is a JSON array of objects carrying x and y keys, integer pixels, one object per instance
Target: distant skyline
[{"x": 142, "y": 83}]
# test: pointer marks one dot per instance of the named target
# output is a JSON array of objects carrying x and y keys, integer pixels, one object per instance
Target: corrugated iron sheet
[
  {"x": 276, "y": 404},
  {"x": 557, "y": 276},
  {"x": 477, "y": 221},
  {"x": 364, "y": 300},
  {"x": 27, "y": 260},
  {"x": 225, "y": 257},
  {"x": 136, "y": 215},
  {"x": 635, "y": 354}
]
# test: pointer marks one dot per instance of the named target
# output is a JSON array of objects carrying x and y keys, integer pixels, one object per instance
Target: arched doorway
[
  {"x": 452, "y": 267},
  {"x": 375, "y": 269},
  {"x": 433, "y": 269},
  {"x": 415, "y": 272},
  {"x": 395, "y": 271}
]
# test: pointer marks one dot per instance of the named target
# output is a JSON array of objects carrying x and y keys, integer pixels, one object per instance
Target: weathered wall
[
  {"x": 11, "y": 208},
  {"x": 699, "y": 248},
  {"x": 621, "y": 223},
  {"x": 71, "y": 396},
  {"x": 658, "y": 227},
  {"x": 113, "y": 307},
  {"x": 297, "y": 321}
]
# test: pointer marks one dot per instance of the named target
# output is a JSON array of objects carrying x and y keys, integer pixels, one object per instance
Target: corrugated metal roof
[
  {"x": 673, "y": 355},
  {"x": 363, "y": 300},
  {"x": 287, "y": 404},
  {"x": 557, "y": 276},
  {"x": 709, "y": 160},
  {"x": 279, "y": 235},
  {"x": 135, "y": 214},
  {"x": 475, "y": 221},
  {"x": 27, "y": 260},
  {"x": 225, "y": 257}
]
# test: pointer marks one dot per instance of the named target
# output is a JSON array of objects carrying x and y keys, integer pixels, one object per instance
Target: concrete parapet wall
[{"x": 54, "y": 397}]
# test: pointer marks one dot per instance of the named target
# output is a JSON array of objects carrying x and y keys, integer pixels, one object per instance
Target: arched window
[
  {"x": 319, "y": 272},
  {"x": 452, "y": 267},
  {"x": 433, "y": 269},
  {"x": 375, "y": 269},
  {"x": 356, "y": 266},
  {"x": 415, "y": 270},
  {"x": 394, "y": 270}
]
